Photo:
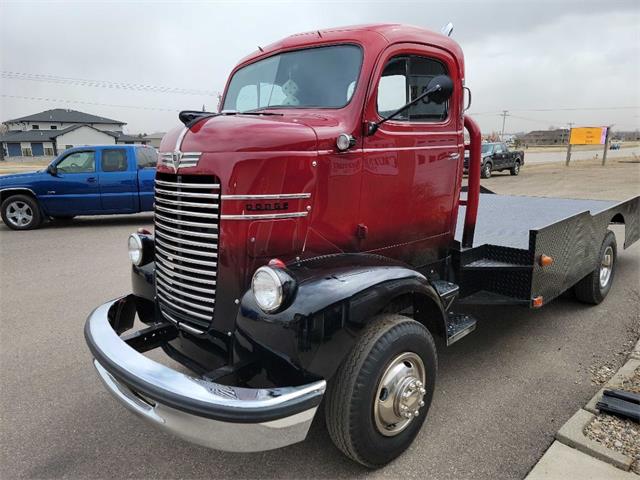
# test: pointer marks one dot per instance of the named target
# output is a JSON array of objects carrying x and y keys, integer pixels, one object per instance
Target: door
[
  {"x": 146, "y": 160},
  {"x": 499, "y": 156},
  {"x": 74, "y": 189},
  {"x": 411, "y": 180},
  {"x": 118, "y": 181},
  {"x": 37, "y": 149}
]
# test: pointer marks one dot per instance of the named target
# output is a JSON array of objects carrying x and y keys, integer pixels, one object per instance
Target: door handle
[
  {"x": 91, "y": 179},
  {"x": 454, "y": 156}
]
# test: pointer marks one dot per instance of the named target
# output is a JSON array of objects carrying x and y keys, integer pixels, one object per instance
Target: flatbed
[{"x": 512, "y": 232}]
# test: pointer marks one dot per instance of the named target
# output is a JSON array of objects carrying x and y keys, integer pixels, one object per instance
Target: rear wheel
[
  {"x": 594, "y": 287},
  {"x": 21, "y": 212},
  {"x": 486, "y": 170},
  {"x": 378, "y": 399},
  {"x": 515, "y": 170}
]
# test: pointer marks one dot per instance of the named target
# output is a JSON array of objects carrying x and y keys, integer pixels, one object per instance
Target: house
[
  {"x": 53, "y": 131},
  {"x": 154, "y": 139},
  {"x": 557, "y": 136}
]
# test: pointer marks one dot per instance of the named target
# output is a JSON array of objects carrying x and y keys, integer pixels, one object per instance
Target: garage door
[
  {"x": 37, "y": 149},
  {"x": 14, "y": 149}
]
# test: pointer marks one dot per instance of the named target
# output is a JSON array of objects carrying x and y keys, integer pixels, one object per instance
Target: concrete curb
[
  {"x": 572, "y": 434},
  {"x": 626, "y": 371}
]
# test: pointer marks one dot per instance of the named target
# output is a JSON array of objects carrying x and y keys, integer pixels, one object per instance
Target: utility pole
[
  {"x": 569, "y": 145},
  {"x": 505, "y": 114}
]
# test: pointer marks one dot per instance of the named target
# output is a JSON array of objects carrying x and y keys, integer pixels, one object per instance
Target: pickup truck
[
  {"x": 96, "y": 180},
  {"x": 497, "y": 157}
]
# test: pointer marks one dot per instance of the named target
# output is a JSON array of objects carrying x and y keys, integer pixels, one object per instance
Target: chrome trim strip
[
  {"x": 173, "y": 256},
  {"x": 187, "y": 204},
  {"x": 186, "y": 212},
  {"x": 169, "y": 264},
  {"x": 180, "y": 138},
  {"x": 165, "y": 183},
  {"x": 171, "y": 273},
  {"x": 186, "y": 242},
  {"x": 272, "y": 216},
  {"x": 173, "y": 281},
  {"x": 187, "y": 250},
  {"x": 162, "y": 292},
  {"x": 185, "y": 223},
  {"x": 189, "y": 328},
  {"x": 186, "y": 294},
  {"x": 186, "y": 194},
  {"x": 284, "y": 196},
  {"x": 185, "y": 232}
]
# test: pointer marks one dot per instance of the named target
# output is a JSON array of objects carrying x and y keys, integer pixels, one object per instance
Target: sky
[{"x": 547, "y": 62}]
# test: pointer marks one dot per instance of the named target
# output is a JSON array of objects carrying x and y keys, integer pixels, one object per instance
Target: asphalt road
[
  {"x": 502, "y": 392},
  {"x": 532, "y": 157}
]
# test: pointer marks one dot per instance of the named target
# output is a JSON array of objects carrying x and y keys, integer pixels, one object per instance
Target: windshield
[
  {"x": 487, "y": 147},
  {"x": 323, "y": 77}
]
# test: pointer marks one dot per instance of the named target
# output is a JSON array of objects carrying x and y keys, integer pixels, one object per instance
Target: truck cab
[
  {"x": 91, "y": 180},
  {"x": 313, "y": 237}
]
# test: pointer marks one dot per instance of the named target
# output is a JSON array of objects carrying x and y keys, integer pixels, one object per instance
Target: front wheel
[
  {"x": 515, "y": 170},
  {"x": 21, "y": 212},
  {"x": 486, "y": 170},
  {"x": 378, "y": 399}
]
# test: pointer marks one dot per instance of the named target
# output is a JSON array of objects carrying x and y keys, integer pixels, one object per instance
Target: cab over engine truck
[{"x": 313, "y": 237}]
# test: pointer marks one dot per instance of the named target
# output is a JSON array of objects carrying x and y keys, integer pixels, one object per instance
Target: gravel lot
[{"x": 502, "y": 392}]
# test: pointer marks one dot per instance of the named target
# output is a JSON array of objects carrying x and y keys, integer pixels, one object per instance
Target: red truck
[{"x": 314, "y": 236}]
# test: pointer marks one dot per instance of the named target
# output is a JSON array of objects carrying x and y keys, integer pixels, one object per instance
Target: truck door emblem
[{"x": 176, "y": 157}]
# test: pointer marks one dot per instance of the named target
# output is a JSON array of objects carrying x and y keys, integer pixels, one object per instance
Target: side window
[
  {"x": 78, "y": 162},
  {"x": 499, "y": 148},
  {"x": 146, "y": 157},
  {"x": 114, "y": 160},
  {"x": 405, "y": 78}
]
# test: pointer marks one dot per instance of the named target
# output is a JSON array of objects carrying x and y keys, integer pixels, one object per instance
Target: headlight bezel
[
  {"x": 143, "y": 245},
  {"x": 284, "y": 285}
]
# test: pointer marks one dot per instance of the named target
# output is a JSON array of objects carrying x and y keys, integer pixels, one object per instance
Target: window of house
[
  {"x": 68, "y": 146},
  {"x": 146, "y": 157},
  {"x": 114, "y": 160},
  {"x": 48, "y": 151},
  {"x": 405, "y": 78},
  {"x": 54, "y": 127},
  {"x": 26, "y": 152},
  {"x": 35, "y": 127},
  {"x": 78, "y": 162}
]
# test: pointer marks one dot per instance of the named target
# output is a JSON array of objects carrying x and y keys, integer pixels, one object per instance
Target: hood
[
  {"x": 244, "y": 133},
  {"x": 19, "y": 178}
]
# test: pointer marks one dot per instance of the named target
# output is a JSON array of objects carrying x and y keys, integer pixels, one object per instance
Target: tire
[
  {"x": 515, "y": 170},
  {"x": 355, "y": 406},
  {"x": 487, "y": 168},
  {"x": 21, "y": 212},
  {"x": 594, "y": 287}
]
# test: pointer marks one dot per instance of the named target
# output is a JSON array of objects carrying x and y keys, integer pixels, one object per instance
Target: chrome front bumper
[{"x": 218, "y": 416}]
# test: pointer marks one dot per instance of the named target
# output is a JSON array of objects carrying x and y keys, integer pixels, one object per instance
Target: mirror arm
[{"x": 372, "y": 127}]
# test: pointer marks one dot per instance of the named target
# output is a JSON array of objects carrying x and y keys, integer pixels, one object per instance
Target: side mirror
[
  {"x": 52, "y": 170},
  {"x": 441, "y": 87}
]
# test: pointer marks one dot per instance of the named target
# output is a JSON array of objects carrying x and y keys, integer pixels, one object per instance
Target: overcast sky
[{"x": 547, "y": 62}]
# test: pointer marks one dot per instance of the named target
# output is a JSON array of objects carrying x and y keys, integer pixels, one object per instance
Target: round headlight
[
  {"x": 267, "y": 289},
  {"x": 135, "y": 249}
]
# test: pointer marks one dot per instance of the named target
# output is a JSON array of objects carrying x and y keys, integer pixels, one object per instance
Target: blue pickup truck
[{"x": 94, "y": 180}]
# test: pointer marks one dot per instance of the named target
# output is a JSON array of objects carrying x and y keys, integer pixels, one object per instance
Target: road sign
[{"x": 588, "y": 136}]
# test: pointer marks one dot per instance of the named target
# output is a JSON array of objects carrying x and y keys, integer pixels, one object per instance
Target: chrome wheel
[
  {"x": 400, "y": 394},
  {"x": 606, "y": 267},
  {"x": 19, "y": 213},
  {"x": 516, "y": 168}
]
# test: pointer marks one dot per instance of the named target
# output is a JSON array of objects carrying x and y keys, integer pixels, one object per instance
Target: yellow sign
[{"x": 588, "y": 136}]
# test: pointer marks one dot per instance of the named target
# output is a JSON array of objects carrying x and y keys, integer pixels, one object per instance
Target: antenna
[{"x": 447, "y": 29}]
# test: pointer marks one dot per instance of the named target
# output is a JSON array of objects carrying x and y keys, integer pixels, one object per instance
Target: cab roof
[{"x": 364, "y": 34}]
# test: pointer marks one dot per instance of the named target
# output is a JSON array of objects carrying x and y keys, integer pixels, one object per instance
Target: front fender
[{"x": 336, "y": 296}]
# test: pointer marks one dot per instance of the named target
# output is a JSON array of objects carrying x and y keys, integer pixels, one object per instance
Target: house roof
[
  {"x": 66, "y": 116},
  {"x": 45, "y": 135}
]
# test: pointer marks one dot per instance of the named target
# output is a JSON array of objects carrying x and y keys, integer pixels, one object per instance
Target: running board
[{"x": 458, "y": 326}]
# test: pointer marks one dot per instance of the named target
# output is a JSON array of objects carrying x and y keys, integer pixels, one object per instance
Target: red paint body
[{"x": 402, "y": 183}]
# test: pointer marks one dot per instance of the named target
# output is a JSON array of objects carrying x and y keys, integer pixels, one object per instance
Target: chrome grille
[{"x": 186, "y": 243}]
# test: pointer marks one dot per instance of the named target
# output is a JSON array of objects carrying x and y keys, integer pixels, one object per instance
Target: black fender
[{"x": 336, "y": 296}]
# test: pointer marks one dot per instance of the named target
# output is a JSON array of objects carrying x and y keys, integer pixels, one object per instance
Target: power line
[
  {"x": 83, "y": 82},
  {"x": 58, "y": 100}
]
